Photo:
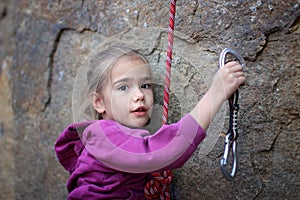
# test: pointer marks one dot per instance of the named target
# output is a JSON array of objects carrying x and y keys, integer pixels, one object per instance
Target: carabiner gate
[
  {"x": 231, "y": 135},
  {"x": 223, "y": 162}
]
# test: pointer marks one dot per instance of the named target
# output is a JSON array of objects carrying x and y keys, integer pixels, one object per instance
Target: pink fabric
[{"x": 108, "y": 160}]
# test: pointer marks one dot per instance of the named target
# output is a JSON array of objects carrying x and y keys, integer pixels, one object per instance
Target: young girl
[{"x": 111, "y": 157}]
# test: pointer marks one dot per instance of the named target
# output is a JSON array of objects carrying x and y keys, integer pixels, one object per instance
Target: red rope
[
  {"x": 159, "y": 187},
  {"x": 169, "y": 60}
]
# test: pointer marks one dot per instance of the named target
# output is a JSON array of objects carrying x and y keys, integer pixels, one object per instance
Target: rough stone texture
[{"x": 44, "y": 43}]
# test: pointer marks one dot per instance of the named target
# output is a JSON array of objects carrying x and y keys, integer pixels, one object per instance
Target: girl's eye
[
  {"x": 123, "y": 88},
  {"x": 146, "y": 86}
]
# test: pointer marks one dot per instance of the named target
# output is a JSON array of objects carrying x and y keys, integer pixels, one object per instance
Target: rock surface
[{"x": 43, "y": 45}]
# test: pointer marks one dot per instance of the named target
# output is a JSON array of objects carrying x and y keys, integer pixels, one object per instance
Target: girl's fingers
[
  {"x": 241, "y": 80},
  {"x": 231, "y": 63},
  {"x": 234, "y": 69},
  {"x": 233, "y": 73},
  {"x": 233, "y": 66},
  {"x": 239, "y": 74}
]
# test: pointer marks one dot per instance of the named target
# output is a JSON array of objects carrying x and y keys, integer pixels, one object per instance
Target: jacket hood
[{"x": 69, "y": 146}]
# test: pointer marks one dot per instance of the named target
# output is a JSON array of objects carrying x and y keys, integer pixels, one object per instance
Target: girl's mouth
[{"x": 140, "y": 111}]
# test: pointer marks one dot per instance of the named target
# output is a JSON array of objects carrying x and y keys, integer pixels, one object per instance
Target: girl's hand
[
  {"x": 225, "y": 83},
  {"x": 227, "y": 80}
]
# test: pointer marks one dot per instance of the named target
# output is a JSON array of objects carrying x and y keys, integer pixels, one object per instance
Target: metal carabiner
[
  {"x": 223, "y": 162},
  {"x": 226, "y": 51},
  {"x": 232, "y": 133}
]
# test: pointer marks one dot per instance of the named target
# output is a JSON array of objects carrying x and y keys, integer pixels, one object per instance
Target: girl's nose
[{"x": 138, "y": 95}]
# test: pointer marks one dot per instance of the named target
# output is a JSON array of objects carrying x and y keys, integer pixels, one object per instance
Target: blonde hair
[{"x": 99, "y": 67}]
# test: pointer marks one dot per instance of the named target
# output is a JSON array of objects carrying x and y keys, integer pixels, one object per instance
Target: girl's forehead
[{"x": 130, "y": 64}]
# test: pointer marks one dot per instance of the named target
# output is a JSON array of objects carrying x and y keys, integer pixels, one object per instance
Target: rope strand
[
  {"x": 159, "y": 187},
  {"x": 169, "y": 61}
]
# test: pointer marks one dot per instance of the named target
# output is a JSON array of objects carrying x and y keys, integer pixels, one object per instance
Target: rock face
[{"x": 44, "y": 43}]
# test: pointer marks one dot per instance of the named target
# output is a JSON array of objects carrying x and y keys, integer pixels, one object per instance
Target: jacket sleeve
[{"x": 136, "y": 151}]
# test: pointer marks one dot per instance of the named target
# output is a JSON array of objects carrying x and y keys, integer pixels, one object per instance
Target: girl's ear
[{"x": 98, "y": 103}]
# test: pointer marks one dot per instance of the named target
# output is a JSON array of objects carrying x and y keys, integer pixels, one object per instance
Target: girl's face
[{"x": 127, "y": 97}]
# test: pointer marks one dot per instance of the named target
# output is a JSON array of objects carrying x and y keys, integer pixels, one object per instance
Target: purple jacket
[{"x": 109, "y": 161}]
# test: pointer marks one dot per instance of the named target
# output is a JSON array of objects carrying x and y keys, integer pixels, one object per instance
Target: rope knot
[
  {"x": 159, "y": 187},
  {"x": 164, "y": 177}
]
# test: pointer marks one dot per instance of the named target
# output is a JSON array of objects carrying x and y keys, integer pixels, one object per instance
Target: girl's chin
[{"x": 138, "y": 123}]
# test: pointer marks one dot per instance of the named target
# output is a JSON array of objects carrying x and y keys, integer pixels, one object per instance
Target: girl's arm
[
  {"x": 225, "y": 83},
  {"x": 125, "y": 149}
]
